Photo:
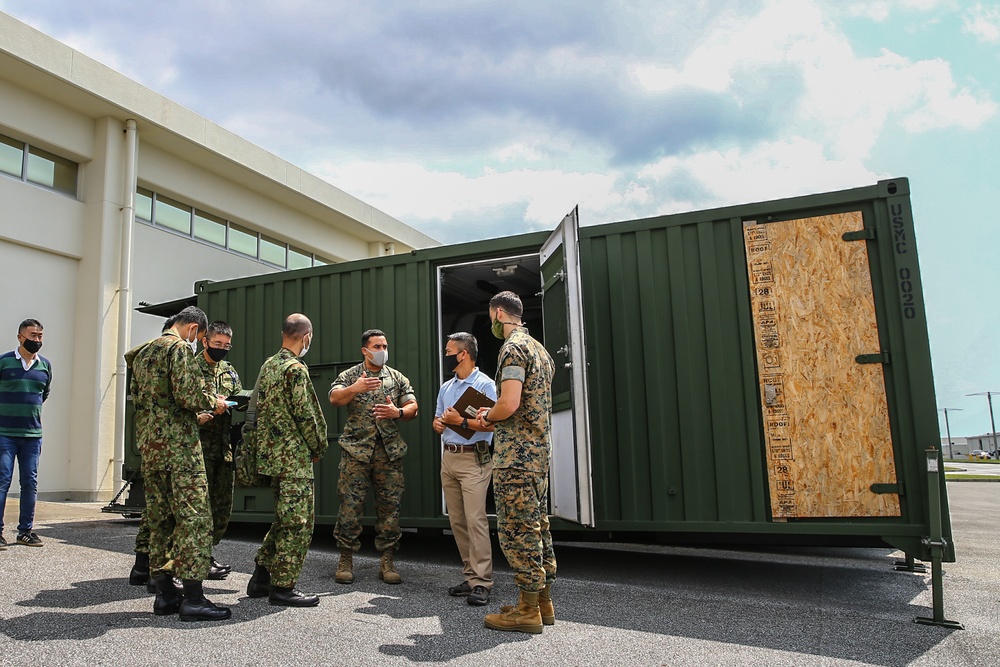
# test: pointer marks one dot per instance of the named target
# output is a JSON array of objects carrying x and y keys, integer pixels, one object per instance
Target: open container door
[{"x": 570, "y": 485}]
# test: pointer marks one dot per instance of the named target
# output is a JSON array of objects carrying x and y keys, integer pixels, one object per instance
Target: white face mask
[
  {"x": 305, "y": 346},
  {"x": 193, "y": 342},
  {"x": 379, "y": 357}
]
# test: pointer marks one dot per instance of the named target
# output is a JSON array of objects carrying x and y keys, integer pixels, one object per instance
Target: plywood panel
[{"x": 826, "y": 419}]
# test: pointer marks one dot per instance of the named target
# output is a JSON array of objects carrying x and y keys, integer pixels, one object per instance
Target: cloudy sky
[{"x": 468, "y": 119}]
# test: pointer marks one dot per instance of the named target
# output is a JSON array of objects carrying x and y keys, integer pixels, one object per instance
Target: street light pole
[
  {"x": 989, "y": 399},
  {"x": 947, "y": 428}
]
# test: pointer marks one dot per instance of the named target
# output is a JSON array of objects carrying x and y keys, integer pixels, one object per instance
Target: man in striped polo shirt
[{"x": 25, "y": 379}]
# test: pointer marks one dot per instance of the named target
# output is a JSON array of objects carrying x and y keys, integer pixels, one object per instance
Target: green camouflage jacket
[
  {"x": 524, "y": 440},
  {"x": 291, "y": 429},
  {"x": 168, "y": 392},
  {"x": 222, "y": 378},
  {"x": 358, "y": 438}
]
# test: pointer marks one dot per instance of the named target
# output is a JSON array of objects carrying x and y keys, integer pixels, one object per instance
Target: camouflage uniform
[
  {"x": 521, "y": 447},
  {"x": 216, "y": 444},
  {"x": 168, "y": 392},
  {"x": 371, "y": 454},
  {"x": 217, "y": 449},
  {"x": 291, "y": 432}
]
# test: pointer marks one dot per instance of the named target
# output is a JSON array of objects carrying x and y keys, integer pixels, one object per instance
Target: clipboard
[{"x": 468, "y": 405}]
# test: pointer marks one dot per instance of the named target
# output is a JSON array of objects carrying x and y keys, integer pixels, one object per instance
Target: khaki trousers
[{"x": 465, "y": 483}]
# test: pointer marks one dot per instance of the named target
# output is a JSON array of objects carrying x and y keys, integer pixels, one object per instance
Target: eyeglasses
[{"x": 223, "y": 346}]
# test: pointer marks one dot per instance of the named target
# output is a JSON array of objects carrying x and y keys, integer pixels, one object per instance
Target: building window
[
  {"x": 272, "y": 251},
  {"x": 298, "y": 259},
  {"x": 161, "y": 211},
  {"x": 144, "y": 204},
  {"x": 11, "y": 156},
  {"x": 209, "y": 228},
  {"x": 172, "y": 214},
  {"x": 34, "y": 165},
  {"x": 52, "y": 171}
]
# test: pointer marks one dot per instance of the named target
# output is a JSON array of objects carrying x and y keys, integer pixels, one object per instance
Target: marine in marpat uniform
[
  {"x": 372, "y": 450},
  {"x": 168, "y": 392},
  {"x": 214, "y": 432},
  {"x": 290, "y": 436},
  {"x": 522, "y": 442}
]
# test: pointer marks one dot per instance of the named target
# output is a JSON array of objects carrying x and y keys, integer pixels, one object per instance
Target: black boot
[
  {"x": 151, "y": 585},
  {"x": 140, "y": 571},
  {"x": 196, "y": 607},
  {"x": 260, "y": 583},
  {"x": 226, "y": 567},
  {"x": 290, "y": 597},
  {"x": 217, "y": 571},
  {"x": 168, "y": 600}
]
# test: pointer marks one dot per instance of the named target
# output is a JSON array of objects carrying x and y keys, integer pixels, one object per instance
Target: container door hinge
[
  {"x": 880, "y": 358},
  {"x": 866, "y": 234},
  {"x": 897, "y": 488}
]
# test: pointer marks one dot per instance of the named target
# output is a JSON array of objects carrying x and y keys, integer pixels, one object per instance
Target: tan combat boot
[
  {"x": 525, "y": 617},
  {"x": 345, "y": 568},
  {"x": 387, "y": 571},
  {"x": 545, "y": 606}
]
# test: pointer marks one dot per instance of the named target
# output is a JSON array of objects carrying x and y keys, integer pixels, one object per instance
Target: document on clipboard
[{"x": 468, "y": 405}]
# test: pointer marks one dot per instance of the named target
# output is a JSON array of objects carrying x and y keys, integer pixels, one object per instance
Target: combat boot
[
  {"x": 345, "y": 568},
  {"x": 151, "y": 584},
  {"x": 291, "y": 597},
  {"x": 140, "y": 570},
  {"x": 168, "y": 599},
  {"x": 545, "y": 606},
  {"x": 260, "y": 582},
  {"x": 196, "y": 607},
  {"x": 525, "y": 617},
  {"x": 386, "y": 569}
]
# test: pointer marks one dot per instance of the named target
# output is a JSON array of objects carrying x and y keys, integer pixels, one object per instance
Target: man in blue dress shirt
[{"x": 466, "y": 468}]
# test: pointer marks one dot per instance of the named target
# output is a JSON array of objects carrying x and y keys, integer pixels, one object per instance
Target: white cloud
[{"x": 983, "y": 23}]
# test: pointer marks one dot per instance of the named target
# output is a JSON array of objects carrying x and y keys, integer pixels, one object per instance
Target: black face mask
[
  {"x": 450, "y": 363},
  {"x": 215, "y": 354},
  {"x": 32, "y": 346}
]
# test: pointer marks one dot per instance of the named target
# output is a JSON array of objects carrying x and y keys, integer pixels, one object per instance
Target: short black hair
[
  {"x": 29, "y": 323},
  {"x": 371, "y": 333},
  {"x": 219, "y": 327},
  {"x": 508, "y": 302},
  {"x": 296, "y": 326},
  {"x": 467, "y": 342},
  {"x": 190, "y": 315}
]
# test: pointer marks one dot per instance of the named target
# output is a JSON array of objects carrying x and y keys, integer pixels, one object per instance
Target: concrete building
[{"x": 83, "y": 147}]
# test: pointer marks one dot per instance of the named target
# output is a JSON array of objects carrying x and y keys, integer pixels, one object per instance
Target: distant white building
[
  {"x": 959, "y": 447},
  {"x": 986, "y": 442},
  {"x": 78, "y": 143}
]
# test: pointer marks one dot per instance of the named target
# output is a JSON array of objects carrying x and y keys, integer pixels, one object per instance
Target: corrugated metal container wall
[
  {"x": 673, "y": 390},
  {"x": 677, "y": 431}
]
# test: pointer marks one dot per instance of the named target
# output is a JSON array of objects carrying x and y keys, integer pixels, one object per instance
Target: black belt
[{"x": 459, "y": 449}]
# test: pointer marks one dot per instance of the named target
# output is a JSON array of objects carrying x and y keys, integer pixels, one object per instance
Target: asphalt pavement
[{"x": 68, "y": 603}]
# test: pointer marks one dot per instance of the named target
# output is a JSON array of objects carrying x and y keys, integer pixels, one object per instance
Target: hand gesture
[
  {"x": 220, "y": 404},
  {"x": 365, "y": 384},
  {"x": 385, "y": 410}
]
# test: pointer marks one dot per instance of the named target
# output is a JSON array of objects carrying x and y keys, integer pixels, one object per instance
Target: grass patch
[{"x": 972, "y": 478}]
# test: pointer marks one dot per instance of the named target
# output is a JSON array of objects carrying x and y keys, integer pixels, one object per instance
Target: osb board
[{"x": 826, "y": 421}]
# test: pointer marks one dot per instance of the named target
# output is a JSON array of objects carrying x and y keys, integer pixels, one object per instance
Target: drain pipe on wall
[{"x": 124, "y": 300}]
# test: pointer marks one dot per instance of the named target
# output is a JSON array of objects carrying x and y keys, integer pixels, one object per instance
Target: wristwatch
[
  {"x": 401, "y": 413},
  {"x": 465, "y": 422}
]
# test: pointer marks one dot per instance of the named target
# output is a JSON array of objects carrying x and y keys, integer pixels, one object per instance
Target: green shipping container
[{"x": 751, "y": 373}]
